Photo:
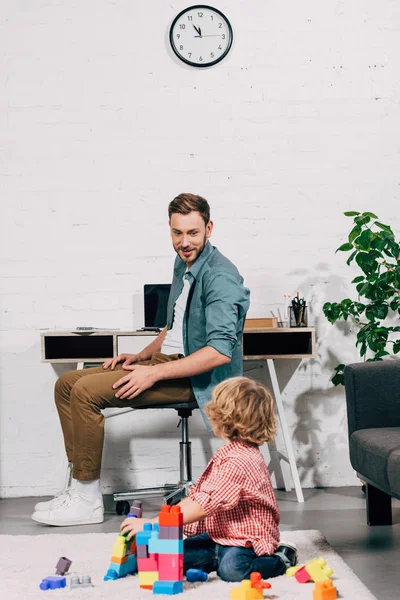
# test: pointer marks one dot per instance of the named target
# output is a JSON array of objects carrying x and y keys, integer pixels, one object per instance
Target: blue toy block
[
  {"x": 53, "y": 582},
  {"x": 142, "y": 537},
  {"x": 196, "y": 575},
  {"x": 157, "y": 546},
  {"x": 116, "y": 570},
  {"x": 168, "y": 587}
]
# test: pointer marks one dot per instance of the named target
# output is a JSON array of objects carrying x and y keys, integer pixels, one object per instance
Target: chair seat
[{"x": 176, "y": 405}]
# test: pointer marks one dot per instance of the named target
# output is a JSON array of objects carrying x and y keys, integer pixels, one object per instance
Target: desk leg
[{"x": 285, "y": 431}]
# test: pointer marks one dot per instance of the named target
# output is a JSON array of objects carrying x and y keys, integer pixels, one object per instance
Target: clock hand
[
  {"x": 200, "y": 31},
  {"x": 211, "y": 35},
  {"x": 197, "y": 30}
]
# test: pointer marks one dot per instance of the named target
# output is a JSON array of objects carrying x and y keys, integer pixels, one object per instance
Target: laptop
[{"x": 155, "y": 305}]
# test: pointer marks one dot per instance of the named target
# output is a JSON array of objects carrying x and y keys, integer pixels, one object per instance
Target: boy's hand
[{"x": 132, "y": 525}]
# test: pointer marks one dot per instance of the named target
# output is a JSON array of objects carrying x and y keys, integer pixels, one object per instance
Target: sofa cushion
[
  {"x": 393, "y": 471},
  {"x": 370, "y": 450}
]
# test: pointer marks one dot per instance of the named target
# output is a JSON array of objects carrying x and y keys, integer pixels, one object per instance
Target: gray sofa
[{"x": 373, "y": 413}]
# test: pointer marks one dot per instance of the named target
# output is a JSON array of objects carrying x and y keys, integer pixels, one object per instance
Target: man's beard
[{"x": 197, "y": 251}]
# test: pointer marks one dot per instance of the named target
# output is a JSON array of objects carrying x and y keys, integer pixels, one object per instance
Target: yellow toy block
[
  {"x": 119, "y": 548},
  {"x": 315, "y": 570},
  {"x": 246, "y": 592},
  {"x": 147, "y": 577},
  {"x": 318, "y": 570},
  {"x": 325, "y": 590}
]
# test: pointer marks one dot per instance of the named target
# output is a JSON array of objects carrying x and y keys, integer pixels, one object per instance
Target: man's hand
[
  {"x": 132, "y": 525},
  {"x": 140, "y": 379},
  {"x": 128, "y": 359}
]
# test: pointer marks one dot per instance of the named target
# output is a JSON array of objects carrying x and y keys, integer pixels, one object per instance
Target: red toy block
[
  {"x": 170, "y": 516},
  {"x": 258, "y": 583},
  {"x": 170, "y": 567}
]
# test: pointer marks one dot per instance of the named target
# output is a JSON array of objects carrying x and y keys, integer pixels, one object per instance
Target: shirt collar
[{"x": 198, "y": 263}]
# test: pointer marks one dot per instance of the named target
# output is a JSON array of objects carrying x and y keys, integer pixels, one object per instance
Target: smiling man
[{"x": 199, "y": 347}]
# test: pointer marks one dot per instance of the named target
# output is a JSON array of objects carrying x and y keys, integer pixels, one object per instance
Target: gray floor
[{"x": 339, "y": 513}]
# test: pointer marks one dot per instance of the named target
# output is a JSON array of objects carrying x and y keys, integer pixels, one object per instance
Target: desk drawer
[{"x": 132, "y": 344}]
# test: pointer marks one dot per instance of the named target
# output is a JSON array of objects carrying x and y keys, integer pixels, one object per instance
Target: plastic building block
[
  {"x": 142, "y": 537},
  {"x": 148, "y": 564},
  {"x": 157, "y": 546},
  {"x": 170, "y": 567},
  {"x": 170, "y": 516},
  {"x": 168, "y": 587},
  {"x": 315, "y": 570},
  {"x": 147, "y": 577},
  {"x": 135, "y": 509},
  {"x": 123, "y": 560},
  {"x": 142, "y": 551},
  {"x": 63, "y": 565},
  {"x": 325, "y": 590},
  {"x": 193, "y": 575},
  {"x": 81, "y": 582},
  {"x": 258, "y": 583},
  {"x": 246, "y": 592},
  {"x": 168, "y": 532},
  {"x": 53, "y": 582}
]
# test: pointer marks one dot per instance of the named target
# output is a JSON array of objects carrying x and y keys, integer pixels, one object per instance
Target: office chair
[{"x": 172, "y": 493}]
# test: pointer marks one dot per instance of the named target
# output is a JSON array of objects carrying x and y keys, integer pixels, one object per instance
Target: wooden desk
[{"x": 262, "y": 344}]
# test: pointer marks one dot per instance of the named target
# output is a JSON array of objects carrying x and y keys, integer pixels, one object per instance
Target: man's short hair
[{"x": 187, "y": 203}]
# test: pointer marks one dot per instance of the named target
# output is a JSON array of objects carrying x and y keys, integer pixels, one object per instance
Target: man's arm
[
  {"x": 199, "y": 362},
  {"x": 143, "y": 377},
  {"x": 155, "y": 346}
]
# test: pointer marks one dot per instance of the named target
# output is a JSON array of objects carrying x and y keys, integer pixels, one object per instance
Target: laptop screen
[{"x": 155, "y": 304}]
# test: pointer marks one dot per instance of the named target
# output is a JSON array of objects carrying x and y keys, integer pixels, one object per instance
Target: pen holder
[{"x": 298, "y": 316}]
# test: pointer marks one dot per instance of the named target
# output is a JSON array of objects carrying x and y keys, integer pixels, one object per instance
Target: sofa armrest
[{"x": 373, "y": 394}]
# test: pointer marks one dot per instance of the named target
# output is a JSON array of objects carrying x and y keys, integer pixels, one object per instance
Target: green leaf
[
  {"x": 364, "y": 240},
  {"x": 351, "y": 213},
  {"x": 359, "y": 278},
  {"x": 369, "y": 214},
  {"x": 354, "y": 233},
  {"x": 345, "y": 247},
  {"x": 377, "y": 311},
  {"x": 396, "y": 347},
  {"x": 338, "y": 379},
  {"x": 362, "y": 220},
  {"x": 352, "y": 255},
  {"x": 382, "y": 226}
]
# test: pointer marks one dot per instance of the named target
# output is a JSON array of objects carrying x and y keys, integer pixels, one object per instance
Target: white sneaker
[
  {"x": 55, "y": 501},
  {"x": 74, "y": 509}
]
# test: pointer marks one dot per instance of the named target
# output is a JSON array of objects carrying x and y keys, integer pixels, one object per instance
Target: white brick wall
[{"x": 100, "y": 127}]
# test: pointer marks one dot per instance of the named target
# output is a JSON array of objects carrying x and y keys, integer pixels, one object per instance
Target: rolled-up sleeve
[
  {"x": 222, "y": 490},
  {"x": 226, "y": 302}
]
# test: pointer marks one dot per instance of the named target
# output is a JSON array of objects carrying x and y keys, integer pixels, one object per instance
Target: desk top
[{"x": 258, "y": 344}]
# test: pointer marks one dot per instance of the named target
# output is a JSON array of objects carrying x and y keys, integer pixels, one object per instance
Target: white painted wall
[{"x": 101, "y": 126}]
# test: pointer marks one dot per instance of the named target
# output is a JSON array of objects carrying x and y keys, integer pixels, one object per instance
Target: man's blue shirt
[{"x": 215, "y": 313}]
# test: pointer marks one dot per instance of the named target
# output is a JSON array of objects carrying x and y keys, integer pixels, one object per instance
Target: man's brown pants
[{"x": 81, "y": 395}]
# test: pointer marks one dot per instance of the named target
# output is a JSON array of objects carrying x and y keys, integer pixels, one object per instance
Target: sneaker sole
[{"x": 56, "y": 523}]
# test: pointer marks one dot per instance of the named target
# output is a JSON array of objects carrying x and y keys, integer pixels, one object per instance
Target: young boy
[{"x": 231, "y": 516}]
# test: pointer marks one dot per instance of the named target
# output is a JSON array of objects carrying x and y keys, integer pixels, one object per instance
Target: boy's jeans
[{"x": 232, "y": 563}]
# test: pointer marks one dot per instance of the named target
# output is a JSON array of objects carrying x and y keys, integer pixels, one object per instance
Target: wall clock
[{"x": 201, "y": 36}]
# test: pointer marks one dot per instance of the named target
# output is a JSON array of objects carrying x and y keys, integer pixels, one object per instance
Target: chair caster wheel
[{"x": 122, "y": 507}]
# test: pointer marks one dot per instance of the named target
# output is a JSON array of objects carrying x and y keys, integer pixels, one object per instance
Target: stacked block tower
[
  {"x": 123, "y": 558},
  {"x": 160, "y": 553}
]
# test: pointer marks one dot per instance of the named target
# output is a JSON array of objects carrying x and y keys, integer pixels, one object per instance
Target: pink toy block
[
  {"x": 170, "y": 567},
  {"x": 147, "y": 564},
  {"x": 302, "y": 575}
]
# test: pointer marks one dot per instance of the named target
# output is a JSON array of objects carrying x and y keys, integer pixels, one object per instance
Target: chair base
[{"x": 171, "y": 493}]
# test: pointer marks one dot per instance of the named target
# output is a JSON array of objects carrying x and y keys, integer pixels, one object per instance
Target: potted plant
[{"x": 376, "y": 252}]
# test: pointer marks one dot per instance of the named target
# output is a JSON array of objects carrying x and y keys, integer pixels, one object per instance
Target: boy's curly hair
[{"x": 243, "y": 410}]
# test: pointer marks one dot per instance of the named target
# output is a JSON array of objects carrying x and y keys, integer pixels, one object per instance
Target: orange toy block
[
  {"x": 246, "y": 592},
  {"x": 325, "y": 590},
  {"x": 119, "y": 560},
  {"x": 258, "y": 583},
  {"x": 170, "y": 516}
]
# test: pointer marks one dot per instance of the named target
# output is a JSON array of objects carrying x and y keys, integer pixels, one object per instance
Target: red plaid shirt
[{"x": 236, "y": 492}]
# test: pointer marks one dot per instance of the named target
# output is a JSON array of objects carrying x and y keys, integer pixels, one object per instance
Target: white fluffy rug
[{"x": 25, "y": 560}]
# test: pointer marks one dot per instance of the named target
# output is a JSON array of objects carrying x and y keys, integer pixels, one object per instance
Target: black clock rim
[{"x": 189, "y": 62}]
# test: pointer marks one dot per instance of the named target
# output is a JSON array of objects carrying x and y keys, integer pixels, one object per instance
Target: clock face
[{"x": 201, "y": 36}]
